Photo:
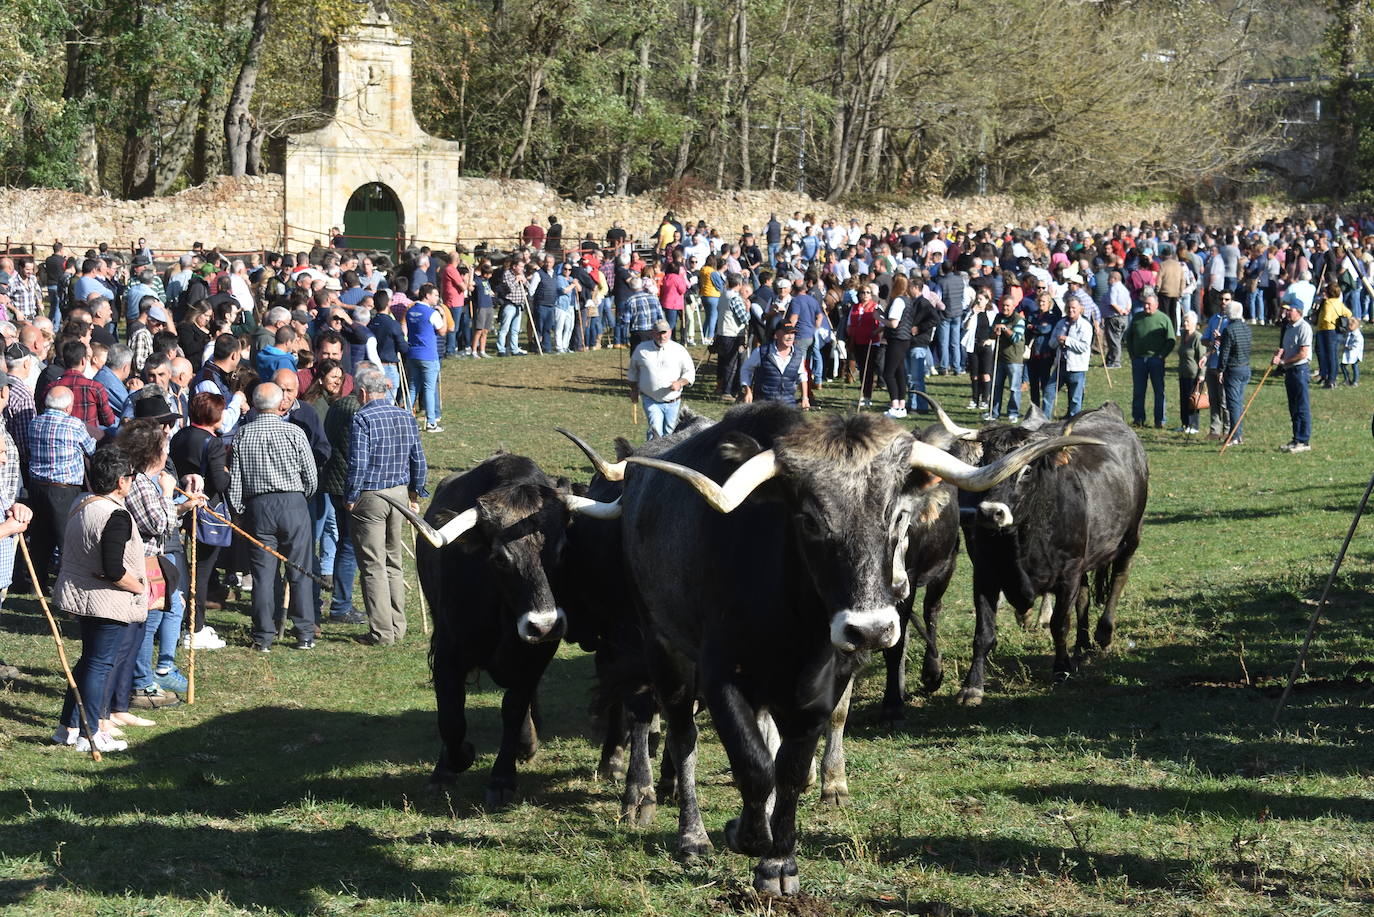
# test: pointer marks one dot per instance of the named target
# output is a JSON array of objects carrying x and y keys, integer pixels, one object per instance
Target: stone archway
[{"x": 374, "y": 219}]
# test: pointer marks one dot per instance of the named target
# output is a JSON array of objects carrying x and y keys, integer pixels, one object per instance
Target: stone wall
[
  {"x": 246, "y": 214},
  {"x": 235, "y": 214}
]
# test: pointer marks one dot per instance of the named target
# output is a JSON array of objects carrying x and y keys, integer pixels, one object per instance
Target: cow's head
[
  {"x": 521, "y": 531},
  {"x": 853, "y": 487}
]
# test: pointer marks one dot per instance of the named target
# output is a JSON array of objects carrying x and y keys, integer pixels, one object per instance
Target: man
[
  {"x": 775, "y": 370},
  {"x": 19, "y": 408},
  {"x": 1116, "y": 317},
  {"x": 544, "y": 298},
  {"x": 57, "y": 442},
  {"x": 115, "y": 369},
  {"x": 1218, "y": 417},
  {"x": 215, "y": 376},
  {"x": 338, "y": 424},
  {"x": 949, "y": 349},
  {"x": 1234, "y": 360},
  {"x": 423, "y": 324},
  {"x": 324, "y": 529},
  {"x": 271, "y": 473},
  {"x": 280, "y": 354},
  {"x": 92, "y": 281},
  {"x": 533, "y": 234},
  {"x": 178, "y": 279},
  {"x": 1073, "y": 340},
  {"x": 140, "y": 288},
  {"x": 329, "y": 345},
  {"x": 734, "y": 323},
  {"x": 1300, "y": 294},
  {"x": 384, "y": 459},
  {"x": 772, "y": 235},
  {"x": 55, "y": 276},
  {"x": 265, "y": 335},
  {"x": 640, "y": 313},
  {"x": 806, "y": 312},
  {"x": 25, "y": 292},
  {"x": 1295, "y": 357},
  {"x": 1149, "y": 340},
  {"x": 90, "y": 404},
  {"x": 659, "y": 370}
]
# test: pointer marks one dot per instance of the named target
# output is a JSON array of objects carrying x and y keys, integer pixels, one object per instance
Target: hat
[
  {"x": 786, "y": 328},
  {"x": 17, "y": 351},
  {"x": 155, "y": 406},
  {"x": 184, "y": 260},
  {"x": 333, "y": 284},
  {"x": 302, "y": 316},
  {"x": 1071, "y": 275},
  {"x": 142, "y": 261},
  {"x": 158, "y": 314},
  {"x": 661, "y": 325}
]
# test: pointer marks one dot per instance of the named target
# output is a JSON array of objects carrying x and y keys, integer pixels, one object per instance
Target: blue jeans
[
  {"x": 1254, "y": 304},
  {"x": 546, "y": 318},
  {"x": 102, "y": 643},
  {"x": 773, "y": 249},
  {"x": 949, "y": 351},
  {"x": 1007, "y": 372},
  {"x": 1075, "y": 381},
  {"x": 593, "y": 330},
  {"x": 817, "y": 361},
  {"x": 393, "y": 372},
  {"x": 508, "y": 332},
  {"x": 55, "y": 306},
  {"x": 711, "y": 304},
  {"x": 325, "y": 533},
  {"x": 1296, "y": 380},
  {"x": 424, "y": 384},
  {"x": 1151, "y": 370},
  {"x": 661, "y": 415},
  {"x": 917, "y": 365},
  {"x": 1235, "y": 379},
  {"x": 1326, "y": 357},
  {"x": 462, "y": 329},
  {"x": 345, "y": 560}
]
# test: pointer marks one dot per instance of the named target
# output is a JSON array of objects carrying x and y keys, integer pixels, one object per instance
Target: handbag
[
  {"x": 210, "y": 531},
  {"x": 1198, "y": 400},
  {"x": 157, "y": 584}
]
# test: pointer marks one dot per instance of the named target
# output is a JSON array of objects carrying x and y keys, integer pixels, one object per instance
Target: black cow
[
  {"x": 1073, "y": 513},
  {"x": 486, "y": 573},
  {"x": 764, "y": 596}
]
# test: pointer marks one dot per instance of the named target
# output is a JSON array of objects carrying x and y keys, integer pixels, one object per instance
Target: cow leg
[
  {"x": 834, "y": 786},
  {"x": 775, "y": 874},
  {"x": 933, "y": 669},
  {"x": 984, "y": 640},
  {"x": 611, "y": 765},
  {"x": 529, "y": 735},
  {"x": 894, "y": 691},
  {"x": 1082, "y": 647},
  {"x": 450, "y": 694},
  {"x": 1046, "y": 610},
  {"x": 692, "y": 841},
  {"x": 667, "y": 774},
  {"x": 639, "y": 803},
  {"x": 1121, "y": 572},
  {"x": 772, "y": 740},
  {"x": 750, "y": 763},
  {"x": 1065, "y": 598},
  {"x": 515, "y": 716}
]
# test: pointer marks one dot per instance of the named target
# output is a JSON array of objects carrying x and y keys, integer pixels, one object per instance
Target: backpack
[{"x": 1343, "y": 324}]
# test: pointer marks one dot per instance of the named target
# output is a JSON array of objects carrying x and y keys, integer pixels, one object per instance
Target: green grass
[{"x": 1152, "y": 782}]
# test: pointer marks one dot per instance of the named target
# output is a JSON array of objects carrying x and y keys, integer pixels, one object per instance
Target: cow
[
  {"x": 1071, "y": 515},
  {"x": 494, "y": 539},
  {"x": 761, "y": 555}
]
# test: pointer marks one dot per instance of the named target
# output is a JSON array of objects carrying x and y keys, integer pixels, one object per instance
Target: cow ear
[
  {"x": 1034, "y": 419},
  {"x": 623, "y": 449},
  {"x": 738, "y": 448},
  {"x": 563, "y": 485}
]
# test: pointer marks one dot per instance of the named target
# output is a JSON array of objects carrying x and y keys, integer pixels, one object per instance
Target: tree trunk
[
  {"x": 176, "y": 150},
  {"x": 641, "y": 89},
  {"x": 840, "y": 119},
  {"x": 527, "y": 121},
  {"x": 238, "y": 121},
  {"x": 1349, "y": 16},
  {"x": 746, "y": 176},
  {"x": 774, "y": 150},
  {"x": 727, "y": 96},
  {"x": 684, "y": 146}
]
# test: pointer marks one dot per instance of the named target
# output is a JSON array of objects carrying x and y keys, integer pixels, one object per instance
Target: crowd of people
[{"x": 267, "y": 410}]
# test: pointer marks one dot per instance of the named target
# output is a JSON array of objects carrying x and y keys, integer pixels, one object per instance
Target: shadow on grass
[{"x": 1235, "y": 801}]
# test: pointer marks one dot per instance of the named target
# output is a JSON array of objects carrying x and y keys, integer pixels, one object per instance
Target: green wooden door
[{"x": 372, "y": 219}]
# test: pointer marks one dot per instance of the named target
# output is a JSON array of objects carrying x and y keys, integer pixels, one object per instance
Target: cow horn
[
  {"x": 608, "y": 471},
  {"x": 725, "y": 497},
  {"x": 973, "y": 478},
  {"x": 950, "y": 426},
  {"x": 593, "y": 508},
  {"x": 451, "y": 531}
]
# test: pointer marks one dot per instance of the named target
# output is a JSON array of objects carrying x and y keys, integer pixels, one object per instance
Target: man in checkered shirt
[
  {"x": 25, "y": 293},
  {"x": 271, "y": 473},
  {"x": 384, "y": 460}
]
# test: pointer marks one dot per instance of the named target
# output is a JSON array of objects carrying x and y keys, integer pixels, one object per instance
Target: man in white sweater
[{"x": 660, "y": 369}]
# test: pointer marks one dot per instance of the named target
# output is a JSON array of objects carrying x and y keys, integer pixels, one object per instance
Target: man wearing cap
[
  {"x": 659, "y": 370},
  {"x": 774, "y": 370},
  {"x": 1295, "y": 357}
]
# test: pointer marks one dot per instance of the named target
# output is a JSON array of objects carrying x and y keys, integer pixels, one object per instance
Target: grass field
[{"x": 1152, "y": 782}]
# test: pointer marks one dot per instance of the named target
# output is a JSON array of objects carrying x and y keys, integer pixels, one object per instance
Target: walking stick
[
  {"x": 1239, "y": 420},
  {"x": 1102, "y": 349},
  {"x": 85, "y": 726},
  {"x": 191, "y": 629},
  {"x": 1317, "y": 612},
  {"x": 279, "y": 556},
  {"x": 404, "y": 393},
  {"x": 534, "y": 331}
]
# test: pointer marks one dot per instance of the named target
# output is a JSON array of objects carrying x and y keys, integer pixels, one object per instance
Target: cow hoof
[
  {"x": 666, "y": 790},
  {"x": 638, "y": 806},
  {"x": 1102, "y": 636},
  {"x": 690, "y": 850},
  {"x": 776, "y": 878},
  {"x": 499, "y": 797},
  {"x": 970, "y": 697},
  {"x": 750, "y": 846},
  {"x": 931, "y": 681},
  {"x": 892, "y": 714},
  {"x": 466, "y": 756},
  {"x": 613, "y": 768},
  {"x": 527, "y": 751},
  {"x": 836, "y": 795}
]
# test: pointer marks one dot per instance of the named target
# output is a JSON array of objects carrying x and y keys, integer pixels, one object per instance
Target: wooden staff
[
  {"x": 191, "y": 617},
  {"x": 424, "y": 602},
  {"x": 1102, "y": 349},
  {"x": 1239, "y": 420},
  {"x": 85, "y": 726},
  {"x": 279, "y": 556}
]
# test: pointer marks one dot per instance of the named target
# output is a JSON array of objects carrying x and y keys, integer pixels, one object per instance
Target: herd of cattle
[{"x": 750, "y": 565}]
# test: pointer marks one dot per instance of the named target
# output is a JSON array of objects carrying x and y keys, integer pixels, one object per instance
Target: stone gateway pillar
[{"x": 371, "y": 170}]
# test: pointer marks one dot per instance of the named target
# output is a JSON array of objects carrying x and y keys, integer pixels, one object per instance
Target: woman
[
  {"x": 672, "y": 294},
  {"x": 102, "y": 582},
  {"x": 1324, "y": 325},
  {"x": 565, "y": 309},
  {"x": 482, "y": 303},
  {"x": 712, "y": 285},
  {"x": 193, "y": 333},
  {"x": 979, "y": 345},
  {"x": 897, "y": 337},
  {"x": 151, "y": 503},
  {"x": 1191, "y": 352},
  {"x": 326, "y": 384},
  {"x": 198, "y": 449},
  {"x": 864, "y": 330}
]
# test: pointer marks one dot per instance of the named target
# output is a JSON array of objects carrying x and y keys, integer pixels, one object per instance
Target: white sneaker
[
  {"x": 65, "y": 735},
  {"x": 103, "y": 743},
  {"x": 204, "y": 639},
  {"x": 972, "y": 405},
  {"x": 1301, "y": 447},
  {"x": 865, "y": 402},
  {"x": 246, "y": 582},
  {"x": 895, "y": 413}
]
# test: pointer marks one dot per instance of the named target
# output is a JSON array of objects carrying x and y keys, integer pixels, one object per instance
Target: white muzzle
[
  {"x": 538, "y": 626},
  {"x": 869, "y": 629}
]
